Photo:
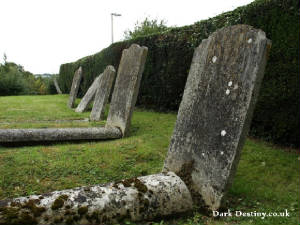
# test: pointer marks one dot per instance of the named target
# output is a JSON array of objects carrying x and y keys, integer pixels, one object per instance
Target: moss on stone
[
  {"x": 140, "y": 186},
  {"x": 136, "y": 183},
  {"x": 64, "y": 197},
  {"x": 58, "y": 203},
  {"x": 83, "y": 210},
  {"x": 26, "y": 218},
  {"x": 46, "y": 218},
  {"x": 31, "y": 204},
  {"x": 69, "y": 221},
  {"x": 58, "y": 219},
  {"x": 15, "y": 204},
  {"x": 76, "y": 218},
  {"x": 9, "y": 214}
]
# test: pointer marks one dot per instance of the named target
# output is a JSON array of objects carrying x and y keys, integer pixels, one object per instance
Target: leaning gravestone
[
  {"x": 75, "y": 87},
  {"x": 127, "y": 87},
  {"x": 89, "y": 95},
  {"x": 103, "y": 90},
  {"x": 57, "y": 86},
  {"x": 215, "y": 113}
]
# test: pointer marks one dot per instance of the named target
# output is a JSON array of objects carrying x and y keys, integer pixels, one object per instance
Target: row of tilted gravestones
[
  {"x": 125, "y": 92},
  {"x": 211, "y": 127}
]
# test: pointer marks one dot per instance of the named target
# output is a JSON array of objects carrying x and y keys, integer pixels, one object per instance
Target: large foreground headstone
[
  {"x": 89, "y": 95},
  {"x": 216, "y": 110},
  {"x": 75, "y": 87},
  {"x": 127, "y": 87},
  {"x": 103, "y": 91},
  {"x": 57, "y": 86}
]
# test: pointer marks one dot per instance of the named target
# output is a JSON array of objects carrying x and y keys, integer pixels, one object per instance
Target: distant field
[{"x": 267, "y": 179}]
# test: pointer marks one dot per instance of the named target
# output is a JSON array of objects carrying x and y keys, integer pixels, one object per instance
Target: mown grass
[{"x": 267, "y": 178}]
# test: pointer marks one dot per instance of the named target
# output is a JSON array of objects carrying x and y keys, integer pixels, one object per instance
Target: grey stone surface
[
  {"x": 58, "y": 134},
  {"x": 89, "y": 95},
  {"x": 127, "y": 87},
  {"x": 216, "y": 110},
  {"x": 142, "y": 198},
  {"x": 75, "y": 87},
  {"x": 57, "y": 86},
  {"x": 102, "y": 93}
]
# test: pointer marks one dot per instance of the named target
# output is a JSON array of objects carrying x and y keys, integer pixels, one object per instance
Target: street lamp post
[{"x": 112, "y": 25}]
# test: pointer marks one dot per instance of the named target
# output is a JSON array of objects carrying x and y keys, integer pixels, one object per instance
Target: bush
[
  {"x": 146, "y": 27},
  {"x": 276, "y": 117},
  {"x": 12, "y": 81}
]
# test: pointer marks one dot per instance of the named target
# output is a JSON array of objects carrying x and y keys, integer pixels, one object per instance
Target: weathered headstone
[
  {"x": 75, "y": 87},
  {"x": 59, "y": 134},
  {"x": 57, "y": 86},
  {"x": 216, "y": 110},
  {"x": 103, "y": 91},
  {"x": 142, "y": 198},
  {"x": 127, "y": 87},
  {"x": 89, "y": 95}
]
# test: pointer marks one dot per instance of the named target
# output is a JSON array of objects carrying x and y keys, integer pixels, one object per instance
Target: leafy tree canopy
[{"x": 146, "y": 27}]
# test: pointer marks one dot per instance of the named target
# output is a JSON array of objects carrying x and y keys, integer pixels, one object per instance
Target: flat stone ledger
[
  {"x": 75, "y": 87},
  {"x": 216, "y": 110},
  {"x": 127, "y": 87},
  {"x": 57, "y": 86},
  {"x": 89, "y": 95},
  {"x": 102, "y": 93}
]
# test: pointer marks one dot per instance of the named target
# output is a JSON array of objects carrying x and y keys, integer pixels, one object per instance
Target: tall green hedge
[{"x": 276, "y": 117}]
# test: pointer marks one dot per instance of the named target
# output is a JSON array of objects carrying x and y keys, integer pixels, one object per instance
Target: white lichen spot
[
  {"x": 214, "y": 59},
  {"x": 227, "y": 92},
  {"x": 202, "y": 154},
  {"x": 235, "y": 87},
  {"x": 249, "y": 40},
  {"x": 229, "y": 83},
  {"x": 222, "y": 153},
  {"x": 223, "y": 133}
]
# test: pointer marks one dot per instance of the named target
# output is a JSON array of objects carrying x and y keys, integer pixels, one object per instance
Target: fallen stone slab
[
  {"x": 75, "y": 87},
  {"x": 216, "y": 109},
  {"x": 127, "y": 87},
  {"x": 58, "y": 134},
  {"x": 57, "y": 86},
  {"x": 142, "y": 198},
  {"x": 89, "y": 95},
  {"x": 103, "y": 91}
]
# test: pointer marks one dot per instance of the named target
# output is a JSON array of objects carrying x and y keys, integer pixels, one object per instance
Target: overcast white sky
[{"x": 42, "y": 34}]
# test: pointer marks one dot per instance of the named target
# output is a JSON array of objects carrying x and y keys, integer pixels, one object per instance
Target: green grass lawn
[{"x": 267, "y": 179}]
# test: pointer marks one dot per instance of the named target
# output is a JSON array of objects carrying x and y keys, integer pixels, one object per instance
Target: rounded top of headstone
[
  {"x": 110, "y": 67},
  {"x": 243, "y": 28},
  {"x": 133, "y": 46}
]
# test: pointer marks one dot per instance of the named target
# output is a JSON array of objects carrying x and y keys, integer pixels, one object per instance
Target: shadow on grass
[{"x": 50, "y": 143}]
